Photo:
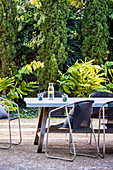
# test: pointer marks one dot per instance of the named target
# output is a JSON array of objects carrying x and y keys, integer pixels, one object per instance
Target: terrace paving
[{"x": 25, "y": 156}]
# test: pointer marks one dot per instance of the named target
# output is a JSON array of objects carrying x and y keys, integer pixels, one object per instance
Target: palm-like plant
[
  {"x": 6, "y": 82},
  {"x": 16, "y": 86},
  {"x": 83, "y": 78}
]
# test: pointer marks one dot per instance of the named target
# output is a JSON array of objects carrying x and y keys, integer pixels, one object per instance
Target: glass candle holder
[
  {"x": 64, "y": 97},
  {"x": 40, "y": 96}
]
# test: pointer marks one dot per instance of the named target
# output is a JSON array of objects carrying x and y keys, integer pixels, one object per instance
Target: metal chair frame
[
  {"x": 71, "y": 136},
  {"x": 11, "y": 119},
  {"x": 102, "y": 95},
  {"x": 102, "y": 109}
]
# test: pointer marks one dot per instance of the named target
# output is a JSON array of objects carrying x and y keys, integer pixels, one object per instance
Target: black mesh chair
[
  {"x": 59, "y": 113},
  {"x": 107, "y": 121},
  {"x": 99, "y": 95},
  {"x": 80, "y": 121},
  {"x": 5, "y": 117}
]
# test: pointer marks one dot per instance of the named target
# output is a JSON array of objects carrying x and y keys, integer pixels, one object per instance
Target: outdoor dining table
[{"x": 44, "y": 106}]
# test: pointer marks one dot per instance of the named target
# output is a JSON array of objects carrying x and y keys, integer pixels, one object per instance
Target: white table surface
[{"x": 57, "y": 102}]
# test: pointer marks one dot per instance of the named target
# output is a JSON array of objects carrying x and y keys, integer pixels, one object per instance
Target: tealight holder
[
  {"x": 40, "y": 96},
  {"x": 64, "y": 97}
]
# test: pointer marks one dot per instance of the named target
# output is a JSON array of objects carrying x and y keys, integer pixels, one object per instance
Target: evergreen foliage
[
  {"x": 95, "y": 31},
  {"x": 53, "y": 27},
  {"x": 26, "y": 42},
  {"x": 73, "y": 34},
  {"x": 110, "y": 24},
  {"x": 8, "y": 12}
]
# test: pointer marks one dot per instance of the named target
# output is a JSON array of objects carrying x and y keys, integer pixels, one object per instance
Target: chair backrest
[
  {"x": 56, "y": 94},
  {"x": 110, "y": 115},
  {"x": 101, "y": 94},
  {"x": 3, "y": 113},
  {"x": 82, "y": 114}
]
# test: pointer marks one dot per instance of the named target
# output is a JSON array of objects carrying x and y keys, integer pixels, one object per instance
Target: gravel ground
[{"x": 25, "y": 156}]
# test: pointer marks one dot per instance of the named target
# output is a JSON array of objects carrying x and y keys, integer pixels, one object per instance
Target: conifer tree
[
  {"x": 52, "y": 50},
  {"x": 95, "y": 31},
  {"x": 8, "y": 13}
]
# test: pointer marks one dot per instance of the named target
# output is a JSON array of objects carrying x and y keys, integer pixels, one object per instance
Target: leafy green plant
[
  {"x": 21, "y": 87},
  {"x": 81, "y": 79},
  {"x": 16, "y": 86},
  {"x": 109, "y": 75},
  {"x": 5, "y": 83},
  {"x": 10, "y": 105},
  {"x": 28, "y": 112},
  {"x": 28, "y": 34}
]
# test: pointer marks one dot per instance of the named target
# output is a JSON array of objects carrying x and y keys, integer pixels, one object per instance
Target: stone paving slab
[{"x": 25, "y": 156}]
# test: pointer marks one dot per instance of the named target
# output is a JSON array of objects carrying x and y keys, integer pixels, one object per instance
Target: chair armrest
[
  {"x": 102, "y": 108},
  {"x": 1, "y": 98},
  {"x": 67, "y": 114},
  {"x": 58, "y": 108}
]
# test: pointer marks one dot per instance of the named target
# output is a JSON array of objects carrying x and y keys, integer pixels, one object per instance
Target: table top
[{"x": 57, "y": 102}]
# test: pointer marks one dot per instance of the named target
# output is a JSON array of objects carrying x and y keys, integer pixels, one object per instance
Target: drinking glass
[
  {"x": 64, "y": 97},
  {"x": 40, "y": 96}
]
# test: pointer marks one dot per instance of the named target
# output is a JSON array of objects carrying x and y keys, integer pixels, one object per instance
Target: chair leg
[
  {"x": 93, "y": 156},
  {"x": 10, "y": 142},
  {"x": 101, "y": 155},
  {"x": 46, "y": 147},
  {"x": 87, "y": 155},
  {"x": 20, "y": 135},
  {"x": 9, "y": 138},
  {"x": 90, "y": 139},
  {"x": 70, "y": 141},
  {"x": 103, "y": 131},
  {"x": 95, "y": 140}
]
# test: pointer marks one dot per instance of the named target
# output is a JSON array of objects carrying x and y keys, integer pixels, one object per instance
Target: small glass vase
[{"x": 51, "y": 91}]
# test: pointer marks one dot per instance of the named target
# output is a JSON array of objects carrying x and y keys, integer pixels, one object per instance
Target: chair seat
[
  {"x": 60, "y": 126},
  {"x": 11, "y": 118},
  {"x": 58, "y": 116},
  {"x": 5, "y": 114}
]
